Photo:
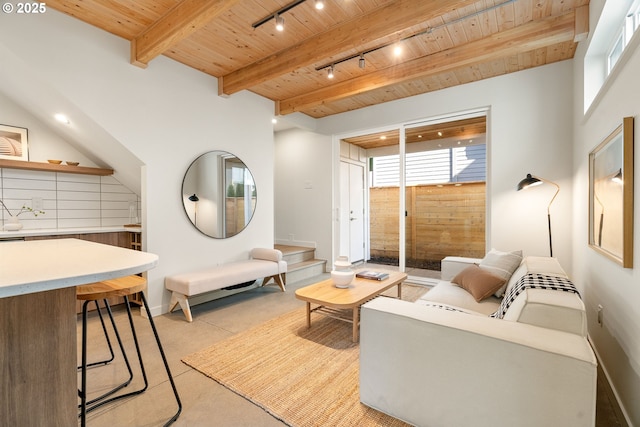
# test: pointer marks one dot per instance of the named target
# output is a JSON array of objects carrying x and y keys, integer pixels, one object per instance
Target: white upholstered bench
[{"x": 263, "y": 263}]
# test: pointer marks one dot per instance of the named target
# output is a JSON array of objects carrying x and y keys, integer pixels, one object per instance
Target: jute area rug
[{"x": 304, "y": 377}]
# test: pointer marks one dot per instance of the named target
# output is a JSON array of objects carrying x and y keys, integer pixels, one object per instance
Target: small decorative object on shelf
[
  {"x": 342, "y": 275},
  {"x": 13, "y": 222},
  {"x": 372, "y": 275}
]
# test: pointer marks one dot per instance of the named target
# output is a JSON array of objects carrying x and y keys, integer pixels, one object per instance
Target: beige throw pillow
[
  {"x": 502, "y": 264},
  {"x": 478, "y": 282}
]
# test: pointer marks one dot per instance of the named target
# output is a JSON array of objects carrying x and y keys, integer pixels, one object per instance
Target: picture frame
[
  {"x": 14, "y": 143},
  {"x": 611, "y": 195}
]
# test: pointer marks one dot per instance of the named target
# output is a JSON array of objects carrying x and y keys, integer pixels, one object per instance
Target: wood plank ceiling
[
  {"x": 444, "y": 43},
  {"x": 453, "y": 132}
]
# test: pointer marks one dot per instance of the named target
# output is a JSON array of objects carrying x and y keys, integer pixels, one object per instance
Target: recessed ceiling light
[
  {"x": 383, "y": 137},
  {"x": 274, "y": 120},
  {"x": 62, "y": 118},
  {"x": 319, "y": 4},
  {"x": 439, "y": 133},
  {"x": 397, "y": 50}
]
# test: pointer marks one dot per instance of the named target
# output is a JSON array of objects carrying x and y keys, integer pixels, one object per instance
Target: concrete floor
[{"x": 205, "y": 402}]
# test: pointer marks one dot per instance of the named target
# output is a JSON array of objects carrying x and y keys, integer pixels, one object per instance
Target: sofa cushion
[
  {"x": 478, "y": 282},
  {"x": 501, "y": 264},
  {"x": 453, "y": 295},
  {"x": 536, "y": 264}
]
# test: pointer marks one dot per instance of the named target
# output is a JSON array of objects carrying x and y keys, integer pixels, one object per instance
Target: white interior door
[
  {"x": 356, "y": 213},
  {"x": 352, "y": 211},
  {"x": 343, "y": 219}
]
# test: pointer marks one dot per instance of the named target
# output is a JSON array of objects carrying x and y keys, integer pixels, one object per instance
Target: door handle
[{"x": 352, "y": 219}]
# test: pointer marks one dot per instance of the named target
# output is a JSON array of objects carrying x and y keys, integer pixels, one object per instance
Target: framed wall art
[
  {"x": 611, "y": 195},
  {"x": 13, "y": 143}
]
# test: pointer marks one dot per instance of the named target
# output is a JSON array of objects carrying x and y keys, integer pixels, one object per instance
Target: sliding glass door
[
  {"x": 444, "y": 193},
  {"x": 425, "y": 195}
]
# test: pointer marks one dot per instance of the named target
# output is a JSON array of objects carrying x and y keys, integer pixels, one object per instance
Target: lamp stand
[{"x": 550, "y": 243}]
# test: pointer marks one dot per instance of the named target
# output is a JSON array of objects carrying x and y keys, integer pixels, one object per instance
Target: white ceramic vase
[
  {"x": 342, "y": 274},
  {"x": 12, "y": 224}
]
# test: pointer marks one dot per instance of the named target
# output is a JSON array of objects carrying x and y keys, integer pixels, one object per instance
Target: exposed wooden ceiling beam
[
  {"x": 524, "y": 38},
  {"x": 582, "y": 23},
  {"x": 382, "y": 22},
  {"x": 180, "y": 22}
]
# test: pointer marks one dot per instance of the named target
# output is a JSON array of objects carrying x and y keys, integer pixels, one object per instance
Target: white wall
[
  {"x": 303, "y": 172},
  {"x": 165, "y": 115},
  {"x": 529, "y": 131},
  {"x": 617, "y": 341}
]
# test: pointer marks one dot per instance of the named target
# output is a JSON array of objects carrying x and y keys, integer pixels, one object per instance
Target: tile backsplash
[{"x": 68, "y": 200}]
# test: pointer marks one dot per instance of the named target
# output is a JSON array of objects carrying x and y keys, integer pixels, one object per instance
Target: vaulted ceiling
[{"x": 444, "y": 43}]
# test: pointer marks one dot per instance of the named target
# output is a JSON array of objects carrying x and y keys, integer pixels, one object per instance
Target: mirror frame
[
  {"x": 611, "y": 190},
  {"x": 192, "y": 194}
]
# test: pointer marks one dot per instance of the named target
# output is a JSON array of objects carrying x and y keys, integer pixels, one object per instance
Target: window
[
  {"x": 615, "y": 52},
  {"x": 629, "y": 26},
  {"x": 618, "y": 22}
]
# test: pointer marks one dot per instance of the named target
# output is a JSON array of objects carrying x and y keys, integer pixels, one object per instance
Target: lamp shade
[
  {"x": 529, "y": 181},
  {"x": 617, "y": 178}
]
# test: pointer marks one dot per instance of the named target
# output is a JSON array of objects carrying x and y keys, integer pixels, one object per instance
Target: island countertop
[
  {"x": 42, "y": 265},
  {"x": 39, "y": 323}
]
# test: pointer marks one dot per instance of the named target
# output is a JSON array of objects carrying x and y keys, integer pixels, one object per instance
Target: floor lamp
[
  {"x": 531, "y": 181},
  {"x": 195, "y": 200}
]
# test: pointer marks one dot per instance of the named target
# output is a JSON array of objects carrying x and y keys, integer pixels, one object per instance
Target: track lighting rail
[
  {"x": 277, "y": 13},
  {"x": 421, "y": 33}
]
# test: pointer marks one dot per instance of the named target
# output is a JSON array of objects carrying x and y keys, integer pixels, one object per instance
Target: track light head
[
  {"x": 361, "y": 62},
  {"x": 319, "y": 4},
  {"x": 279, "y": 22},
  {"x": 330, "y": 72}
]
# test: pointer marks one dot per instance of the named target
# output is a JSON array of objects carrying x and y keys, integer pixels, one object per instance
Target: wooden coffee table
[{"x": 333, "y": 302}]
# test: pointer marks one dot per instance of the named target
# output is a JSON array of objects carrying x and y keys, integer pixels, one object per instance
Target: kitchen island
[{"x": 38, "y": 350}]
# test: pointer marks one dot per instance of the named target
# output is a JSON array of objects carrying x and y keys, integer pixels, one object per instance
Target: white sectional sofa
[{"x": 444, "y": 361}]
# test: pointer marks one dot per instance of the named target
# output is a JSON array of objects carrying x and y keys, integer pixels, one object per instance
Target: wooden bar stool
[{"x": 120, "y": 287}]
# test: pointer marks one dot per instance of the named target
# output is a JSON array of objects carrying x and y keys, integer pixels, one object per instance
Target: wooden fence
[{"x": 441, "y": 220}]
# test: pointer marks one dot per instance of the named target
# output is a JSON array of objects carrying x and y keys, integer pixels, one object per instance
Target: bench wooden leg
[
  {"x": 178, "y": 298},
  {"x": 279, "y": 279}
]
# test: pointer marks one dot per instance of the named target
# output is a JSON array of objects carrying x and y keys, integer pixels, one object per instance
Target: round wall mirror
[{"x": 218, "y": 194}]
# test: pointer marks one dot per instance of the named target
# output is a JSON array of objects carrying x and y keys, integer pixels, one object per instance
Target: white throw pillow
[{"x": 501, "y": 264}]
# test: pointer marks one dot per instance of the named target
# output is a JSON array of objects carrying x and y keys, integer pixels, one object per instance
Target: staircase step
[
  {"x": 301, "y": 262},
  {"x": 296, "y": 254},
  {"x": 305, "y": 269}
]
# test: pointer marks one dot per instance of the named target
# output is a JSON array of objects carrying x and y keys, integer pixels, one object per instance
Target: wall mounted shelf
[{"x": 49, "y": 167}]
